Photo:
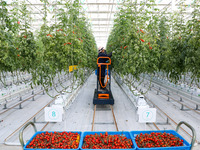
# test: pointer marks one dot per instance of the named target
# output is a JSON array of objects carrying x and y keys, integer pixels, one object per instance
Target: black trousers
[
  {"x": 103, "y": 68},
  {"x": 102, "y": 81}
]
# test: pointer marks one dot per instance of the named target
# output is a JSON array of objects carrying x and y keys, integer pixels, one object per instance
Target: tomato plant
[
  {"x": 193, "y": 43},
  {"x": 68, "y": 42},
  {"x": 106, "y": 141},
  {"x": 143, "y": 40},
  {"x": 130, "y": 31},
  {"x": 157, "y": 139},
  {"x": 55, "y": 140},
  {"x": 5, "y": 38},
  {"x": 147, "y": 42}
]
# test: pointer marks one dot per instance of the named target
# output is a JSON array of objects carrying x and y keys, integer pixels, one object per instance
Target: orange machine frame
[{"x": 99, "y": 65}]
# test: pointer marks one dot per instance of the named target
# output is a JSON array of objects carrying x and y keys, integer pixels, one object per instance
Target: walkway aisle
[{"x": 80, "y": 114}]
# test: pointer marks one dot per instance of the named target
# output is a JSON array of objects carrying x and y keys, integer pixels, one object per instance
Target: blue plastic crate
[
  {"x": 186, "y": 145},
  {"x": 39, "y": 132},
  {"x": 125, "y": 133}
]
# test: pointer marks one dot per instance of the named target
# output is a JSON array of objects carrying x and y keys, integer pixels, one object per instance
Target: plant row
[
  {"x": 146, "y": 40},
  {"x": 44, "y": 54}
]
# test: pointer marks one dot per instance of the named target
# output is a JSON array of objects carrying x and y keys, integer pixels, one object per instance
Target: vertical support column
[
  {"x": 34, "y": 119},
  {"x": 20, "y": 105},
  {"x": 5, "y": 106},
  {"x": 159, "y": 88},
  {"x": 167, "y": 92},
  {"x": 157, "y": 92},
  {"x": 168, "y": 98},
  {"x": 197, "y": 107},
  {"x": 43, "y": 90},
  {"x": 181, "y": 99},
  {"x": 182, "y": 106},
  {"x": 20, "y": 99},
  {"x": 167, "y": 120}
]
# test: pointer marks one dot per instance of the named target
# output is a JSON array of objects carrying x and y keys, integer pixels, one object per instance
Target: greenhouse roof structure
[{"x": 100, "y": 13}]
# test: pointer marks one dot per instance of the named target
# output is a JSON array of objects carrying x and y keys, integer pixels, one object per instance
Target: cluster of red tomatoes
[
  {"x": 105, "y": 141},
  {"x": 157, "y": 139},
  {"x": 55, "y": 140}
]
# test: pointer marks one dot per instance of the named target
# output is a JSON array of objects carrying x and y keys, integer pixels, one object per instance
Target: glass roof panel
[{"x": 100, "y": 13}]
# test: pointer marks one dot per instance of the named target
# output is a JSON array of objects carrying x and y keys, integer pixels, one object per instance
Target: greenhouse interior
[{"x": 100, "y": 74}]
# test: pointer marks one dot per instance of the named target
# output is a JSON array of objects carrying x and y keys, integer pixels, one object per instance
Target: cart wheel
[
  {"x": 22, "y": 130},
  {"x": 192, "y": 129}
]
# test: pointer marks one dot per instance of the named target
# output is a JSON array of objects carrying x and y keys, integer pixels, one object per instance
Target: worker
[{"x": 102, "y": 53}]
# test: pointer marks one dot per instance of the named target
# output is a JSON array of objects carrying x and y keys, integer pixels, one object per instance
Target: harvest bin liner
[
  {"x": 186, "y": 145},
  {"x": 39, "y": 132},
  {"x": 125, "y": 133}
]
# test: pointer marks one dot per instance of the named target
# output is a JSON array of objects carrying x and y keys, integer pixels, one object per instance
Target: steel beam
[
  {"x": 101, "y": 24},
  {"x": 101, "y": 19},
  {"x": 100, "y": 12}
]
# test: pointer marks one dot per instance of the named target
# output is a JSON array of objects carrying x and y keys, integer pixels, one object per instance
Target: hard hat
[{"x": 100, "y": 49}]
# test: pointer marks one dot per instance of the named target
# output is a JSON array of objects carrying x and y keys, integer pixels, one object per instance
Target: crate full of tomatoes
[
  {"x": 159, "y": 140},
  {"x": 106, "y": 140},
  {"x": 45, "y": 140}
]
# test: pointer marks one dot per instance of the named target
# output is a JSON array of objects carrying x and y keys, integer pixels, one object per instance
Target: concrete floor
[{"x": 78, "y": 117}]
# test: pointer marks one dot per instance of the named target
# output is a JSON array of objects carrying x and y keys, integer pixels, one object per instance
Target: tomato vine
[
  {"x": 50, "y": 52},
  {"x": 148, "y": 41}
]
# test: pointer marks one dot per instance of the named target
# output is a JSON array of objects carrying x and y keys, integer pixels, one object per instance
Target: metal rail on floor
[
  {"x": 32, "y": 118},
  {"x": 182, "y": 104},
  {"x": 20, "y": 103},
  {"x": 177, "y": 90},
  {"x": 168, "y": 116},
  {"x": 164, "y": 114},
  {"x": 183, "y": 93},
  {"x": 115, "y": 122},
  {"x": 114, "y": 118},
  {"x": 28, "y": 121},
  {"x": 130, "y": 100}
]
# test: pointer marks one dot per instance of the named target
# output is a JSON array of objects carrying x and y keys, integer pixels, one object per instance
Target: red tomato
[
  {"x": 55, "y": 140},
  {"x": 141, "y": 30},
  {"x": 142, "y": 40}
]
